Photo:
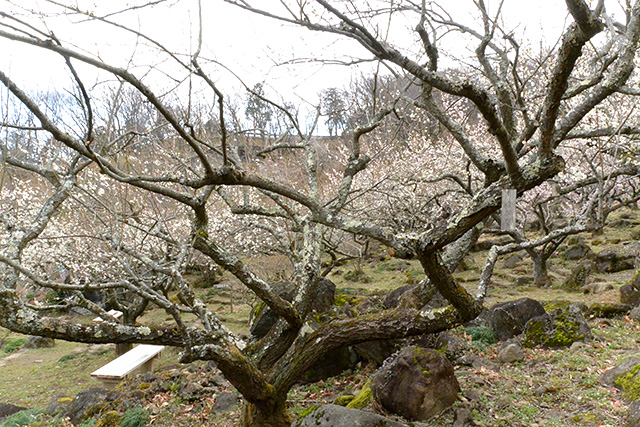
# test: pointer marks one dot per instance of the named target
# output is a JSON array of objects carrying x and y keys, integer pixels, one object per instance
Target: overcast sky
[{"x": 254, "y": 48}]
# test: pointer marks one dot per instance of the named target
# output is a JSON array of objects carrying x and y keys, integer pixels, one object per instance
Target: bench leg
[{"x": 146, "y": 366}]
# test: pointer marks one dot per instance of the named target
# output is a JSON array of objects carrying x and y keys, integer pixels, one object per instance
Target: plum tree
[{"x": 181, "y": 186}]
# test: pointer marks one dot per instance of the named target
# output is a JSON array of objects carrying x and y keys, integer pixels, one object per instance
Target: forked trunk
[{"x": 266, "y": 415}]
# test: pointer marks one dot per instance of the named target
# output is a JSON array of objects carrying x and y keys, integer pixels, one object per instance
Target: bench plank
[
  {"x": 118, "y": 369},
  {"x": 115, "y": 313}
]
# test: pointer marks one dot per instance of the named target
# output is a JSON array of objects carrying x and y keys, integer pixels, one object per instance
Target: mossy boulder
[
  {"x": 417, "y": 383},
  {"x": 608, "y": 310},
  {"x": 625, "y": 377},
  {"x": 335, "y": 415},
  {"x": 579, "y": 275},
  {"x": 343, "y": 400},
  {"x": 618, "y": 258},
  {"x": 363, "y": 399},
  {"x": 88, "y": 403},
  {"x": 558, "y": 329},
  {"x": 508, "y": 319}
]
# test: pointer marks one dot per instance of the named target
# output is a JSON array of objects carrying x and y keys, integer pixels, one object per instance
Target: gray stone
[
  {"x": 578, "y": 249},
  {"x": 416, "y": 383},
  {"x": 39, "y": 342},
  {"x": 630, "y": 294},
  {"x": 85, "y": 401},
  {"x": 59, "y": 405},
  {"x": 7, "y": 409},
  {"x": 617, "y": 258},
  {"x": 633, "y": 416},
  {"x": 334, "y": 363},
  {"x": 337, "y": 416},
  {"x": 635, "y": 314},
  {"x": 512, "y": 260},
  {"x": 511, "y": 353},
  {"x": 609, "y": 377},
  {"x": 579, "y": 275},
  {"x": 508, "y": 319},
  {"x": 225, "y": 401}
]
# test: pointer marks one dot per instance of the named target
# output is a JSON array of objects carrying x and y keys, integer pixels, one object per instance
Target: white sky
[{"x": 253, "y": 47}]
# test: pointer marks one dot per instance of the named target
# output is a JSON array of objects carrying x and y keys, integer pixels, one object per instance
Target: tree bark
[
  {"x": 274, "y": 414},
  {"x": 540, "y": 271}
]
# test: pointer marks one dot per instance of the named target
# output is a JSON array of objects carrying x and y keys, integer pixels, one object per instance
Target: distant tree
[
  {"x": 334, "y": 108},
  {"x": 258, "y": 111}
]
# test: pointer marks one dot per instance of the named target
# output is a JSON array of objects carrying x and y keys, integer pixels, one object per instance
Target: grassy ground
[{"x": 548, "y": 388}]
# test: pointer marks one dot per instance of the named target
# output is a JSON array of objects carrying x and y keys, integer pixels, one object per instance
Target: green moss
[
  {"x": 307, "y": 411},
  {"x": 630, "y": 383},
  {"x": 586, "y": 419},
  {"x": 256, "y": 311},
  {"x": 109, "y": 419},
  {"x": 363, "y": 398},
  {"x": 342, "y": 299},
  {"x": 554, "y": 305},
  {"x": 562, "y": 331},
  {"x": 343, "y": 400}
]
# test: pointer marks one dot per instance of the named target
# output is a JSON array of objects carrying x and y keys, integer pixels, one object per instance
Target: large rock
[
  {"x": 264, "y": 318},
  {"x": 618, "y": 258},
  {"x": 87, "y": 403},
  {"x": 578, "y": 249},
  {"x": 610, "y": 376},
  {"x": 7, "y": 409},
  {"x": 39, "y": 342},
  {"x": 578, "y": 277},
  {"x": 630, "y": 294},
  {"x": 59, "y": 405},
  {"x": 334, "y": 363},
  {"x": 392, "y": 298},
  {"x": 609, "y": 311},
  {"x": 508, "y": 319},
  {"x": 633, "y": 416},
  {"x": 416, "y": 383},
  {"x": 337, "y": 416},
  {"x": 560, "y": 328}
]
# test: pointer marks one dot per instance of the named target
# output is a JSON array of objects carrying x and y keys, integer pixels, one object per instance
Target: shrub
[
  {"x": 90, "y": 422},
  {"x": 135, "y": 417},
  {"x": 13, "y": 344},
  {"x": 482, "y": 334},
  {"x": 22, "y": 418}
]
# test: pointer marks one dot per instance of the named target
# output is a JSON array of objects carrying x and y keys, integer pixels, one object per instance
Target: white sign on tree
[{"x": 508, "y": 220}]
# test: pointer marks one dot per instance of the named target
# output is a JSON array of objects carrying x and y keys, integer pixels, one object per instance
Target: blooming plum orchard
[{"x": 129, "y": 192}]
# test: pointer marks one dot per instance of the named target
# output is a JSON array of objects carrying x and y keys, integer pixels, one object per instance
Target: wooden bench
[
  {"x": 137, "y": 360},
  {"x": 113, "y": 313}
]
